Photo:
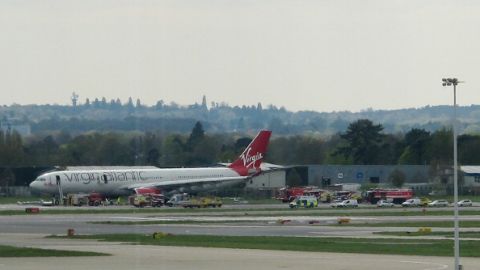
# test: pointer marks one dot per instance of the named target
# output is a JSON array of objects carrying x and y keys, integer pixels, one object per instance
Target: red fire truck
[
  {"x": 288, "y": 194},
  {"x": 396, "y": 196}
]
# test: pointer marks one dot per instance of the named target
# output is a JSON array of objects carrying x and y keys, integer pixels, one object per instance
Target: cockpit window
[{"x": 41, "y": 179}]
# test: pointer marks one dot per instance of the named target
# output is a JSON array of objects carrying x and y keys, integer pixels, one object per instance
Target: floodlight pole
[
  {"x": 448, "y": 82},
  {"x": 455, "y": 181}
]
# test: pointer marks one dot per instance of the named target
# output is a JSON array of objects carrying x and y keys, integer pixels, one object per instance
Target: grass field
[
  {"x": 9, "y": 251},
  {"x": 342, "y": 245}
]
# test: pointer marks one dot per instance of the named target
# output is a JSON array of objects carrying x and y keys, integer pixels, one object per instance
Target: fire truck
[
  {"x": 396, "y": 196},
  {"x": 288, "y": 194}
]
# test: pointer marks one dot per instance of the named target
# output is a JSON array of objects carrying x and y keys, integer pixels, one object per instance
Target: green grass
[
  {"x": 320, "y": 244},
  {"x": 9, "y": 251},
  {"x": 445, "y": 234}
]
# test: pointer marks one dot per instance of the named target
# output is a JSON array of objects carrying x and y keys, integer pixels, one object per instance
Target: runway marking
[{"x": 437, "y": 266}]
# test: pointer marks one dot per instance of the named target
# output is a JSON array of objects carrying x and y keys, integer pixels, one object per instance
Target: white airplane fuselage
[
  {"x": 115, "y": 182},
  {"x": 124, "y": 181}
]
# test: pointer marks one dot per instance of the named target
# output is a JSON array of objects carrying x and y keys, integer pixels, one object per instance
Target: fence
[{"x": 15, "y": 191}]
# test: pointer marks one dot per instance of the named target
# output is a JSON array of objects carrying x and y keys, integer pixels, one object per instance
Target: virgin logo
[{"x": 249, "y": 160}]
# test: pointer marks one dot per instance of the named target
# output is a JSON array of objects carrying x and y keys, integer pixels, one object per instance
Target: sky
[{"x": 330, "y": 55}]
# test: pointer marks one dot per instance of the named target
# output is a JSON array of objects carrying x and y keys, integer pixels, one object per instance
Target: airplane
[{"x": 114, "y": 182}]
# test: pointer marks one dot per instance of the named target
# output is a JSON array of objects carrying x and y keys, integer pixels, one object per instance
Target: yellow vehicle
[
  {"x": 326, "y": 197},
  {"x": 186, "y": 201},
  {"x": 140, "y": 201},
  {"x": 424, "y": 201},
  {"x": 202, "y": 202}
]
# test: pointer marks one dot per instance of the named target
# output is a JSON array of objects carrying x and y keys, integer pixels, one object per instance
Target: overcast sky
[{"x": 304, "y": 55}]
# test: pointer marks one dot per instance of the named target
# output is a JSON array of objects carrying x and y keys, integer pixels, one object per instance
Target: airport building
[
  {"x": 416, "y": 176},
  {"x": 273, "y": 179},
  {"x": 319, "y": 175},
  {"x": 471, "y": 179},
  {"x": 420, "y": 178}
]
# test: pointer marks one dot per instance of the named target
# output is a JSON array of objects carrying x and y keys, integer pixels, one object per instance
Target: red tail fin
[{"x": 251, "y": 158}]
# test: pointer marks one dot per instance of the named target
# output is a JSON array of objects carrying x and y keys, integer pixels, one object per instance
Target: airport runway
[
  {"x": 29, "y": 230},
  {"x": 250, "y": 225},
  {"x": 131, "y": 257}
]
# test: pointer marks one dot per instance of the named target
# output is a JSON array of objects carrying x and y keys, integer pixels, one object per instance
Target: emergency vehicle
[{"x": 396, "y": 196}]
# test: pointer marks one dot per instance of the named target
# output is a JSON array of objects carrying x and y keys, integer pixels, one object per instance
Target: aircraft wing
[{"x": 185, "y": 182}]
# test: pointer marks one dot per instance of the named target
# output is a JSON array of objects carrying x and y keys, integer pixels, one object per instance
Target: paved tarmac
[
  {"x": 131, "y": 257},
  {"x": 253, "y": 226},
  {"x": 29, "y": 230}
]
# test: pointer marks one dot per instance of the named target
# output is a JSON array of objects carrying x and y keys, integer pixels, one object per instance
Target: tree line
[{"x": 363, "y": 142}]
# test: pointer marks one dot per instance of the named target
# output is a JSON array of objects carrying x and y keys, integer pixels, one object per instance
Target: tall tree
[
  {"x": 440, "y": 147},
  {"x": 174, "y": 152},
  {"x": 363, "y": 140},
  {"x": 469, "y": 149},
  {"x": 415, "y": 152},
  {"x": 196, "y": 136}
]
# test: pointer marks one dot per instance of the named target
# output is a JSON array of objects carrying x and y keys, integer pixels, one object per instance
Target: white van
[
  {"x": 346, "y": 203},
  {"x": 411, "y": 203}
]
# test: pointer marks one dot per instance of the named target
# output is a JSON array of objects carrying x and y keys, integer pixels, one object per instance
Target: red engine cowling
[{"x": 148, "y": 190}]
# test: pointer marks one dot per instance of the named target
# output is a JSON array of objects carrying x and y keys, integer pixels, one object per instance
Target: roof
[{"x": 470, "y": 169}]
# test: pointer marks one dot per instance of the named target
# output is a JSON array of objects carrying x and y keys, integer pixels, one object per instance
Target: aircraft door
[
  {"x": 58, "y": 182},
  {"x": 105, "y": 179}
]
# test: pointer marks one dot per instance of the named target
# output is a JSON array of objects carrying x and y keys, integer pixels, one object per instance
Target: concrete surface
[{"x": 131, "y": 257}]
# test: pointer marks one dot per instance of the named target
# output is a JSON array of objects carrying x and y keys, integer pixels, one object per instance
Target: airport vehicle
[
  {"x": 397, "y": 196},
  {"x": 176, "y": 199},
  {"x": 186, "y": 201},
  {"x": 126, "y": 181},
  {"x": 142, "y": 200},
  {"x": 464, "y": 203},
  {"x": 95, "y": 199},
  {"x": 202, "y": 202},
  {"x": 304, "y": 201},
  {"x": 424, "y": 201},
  {"x": 412, "y": 203},
  {"x": 345, "y": 203},
  {"x": 438, "y": 203},
  {"x": 77, "y": 199},
  {"x": 288, "y": 194},
  {"x": 384, "y": 203},
  {"x": 326, "y": 197}
]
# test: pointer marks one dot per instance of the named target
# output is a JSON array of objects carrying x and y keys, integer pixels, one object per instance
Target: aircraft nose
[{"x": 34, "y": 186}]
